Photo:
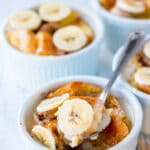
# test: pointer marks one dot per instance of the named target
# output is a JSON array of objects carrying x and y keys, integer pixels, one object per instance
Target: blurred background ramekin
[
  {"x": 128, "y": 102},
  {"x": 31, "y": 71},
  {"x": 117, "y": 27},
  {"x": 143, "y": 97}
]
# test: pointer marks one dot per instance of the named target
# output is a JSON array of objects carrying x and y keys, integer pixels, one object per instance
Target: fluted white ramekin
[
  {"x": 31, "y": 71},
  {"x": 118, "y": 27},
  {"x": 128, "y": 101},
  {"x": 143, "y": 97}
]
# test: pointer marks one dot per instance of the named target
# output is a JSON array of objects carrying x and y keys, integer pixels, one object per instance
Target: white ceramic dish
[
  {"x": 31, "y": 71},
  {"x": 143, "y": 97},
  {"x": 118, "y": 28},
  {"x": 127, "y": 100}
]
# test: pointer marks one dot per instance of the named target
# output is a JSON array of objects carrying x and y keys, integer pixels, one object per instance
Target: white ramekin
[
  {"x": 118, "y": 28},
  {"x": 31, "y": 71},
  {"x": 127, "y": 100},
  {"x": 143, "y": 97}
]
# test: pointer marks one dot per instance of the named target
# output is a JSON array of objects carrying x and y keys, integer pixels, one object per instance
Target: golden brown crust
[
  {"x": 28, "y": 44},
  {"x": 77, "y": 88},
  {"x": 117, "y": 130},
  {"x": 112, "y": 135},
  {"x": 108, "y": 3},
  {"x": 45, "y": 44}
]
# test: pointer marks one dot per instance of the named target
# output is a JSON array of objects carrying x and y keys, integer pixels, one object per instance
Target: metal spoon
[{"x": 135, "y": 40}]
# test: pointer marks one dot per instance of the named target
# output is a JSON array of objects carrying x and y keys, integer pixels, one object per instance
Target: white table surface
[{"x": 12, "y": 97}]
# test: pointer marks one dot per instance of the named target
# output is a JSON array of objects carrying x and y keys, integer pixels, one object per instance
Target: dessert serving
[
  {"x": 137, "y": 72},
  {"x": 138, "y": 9},
  {"x": 49, "y": 29},
  {"x": 46, "y": 50},
  {"x": 68, "y": 114},
  {"x": 136, "y": 78}
]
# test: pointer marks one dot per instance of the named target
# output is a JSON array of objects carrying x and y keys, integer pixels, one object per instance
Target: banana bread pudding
[
  {"x": 49, "y": 29},
  {"x": 137, "y": 72},
  {"x": 68, "y": 114}
]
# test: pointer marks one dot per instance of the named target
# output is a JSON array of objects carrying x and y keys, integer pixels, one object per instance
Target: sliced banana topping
[
  {"x": 142, "y": 76},
  {"x": 75, "y": 117},
  {"x": 53, "y": 12},
  {"x": 25, "y": 20},
  {"x": 146, "y": 49},
  {"x": 45, "y": 136},
  {"x": 132, "y": 6},
  {"x": 52, "y": 103},
  {"x": 70, "y": 38}
]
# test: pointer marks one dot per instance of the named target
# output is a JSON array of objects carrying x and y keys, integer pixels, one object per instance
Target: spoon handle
[{"x": 135, "y": 40}]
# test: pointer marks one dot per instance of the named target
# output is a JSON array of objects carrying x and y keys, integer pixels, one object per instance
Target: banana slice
[
  {"x": 44, "y": 135},
  {"x": 53, "y": 12},
  {"x": 146, "y": 49},
  {"x": 75, "y": 117},
  {"x": 70, "y": 38},
  {"x": 52, "y": 103},
  {"x": 142, "y": 76},
  {"x": 25, "y": 20},
  {"x": 132, "y": 6}
]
